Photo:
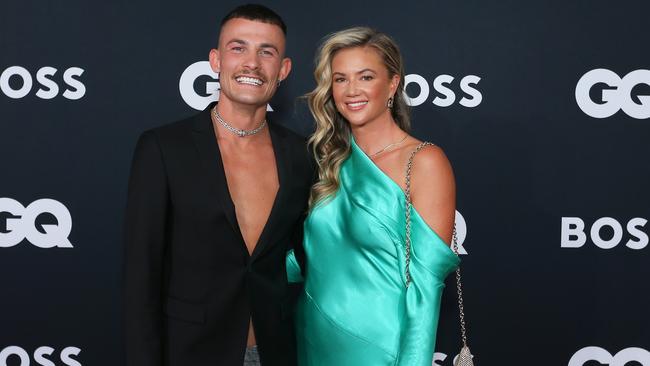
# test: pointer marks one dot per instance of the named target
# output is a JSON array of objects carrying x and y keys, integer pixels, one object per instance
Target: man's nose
[{"x": 252, "y": 61}]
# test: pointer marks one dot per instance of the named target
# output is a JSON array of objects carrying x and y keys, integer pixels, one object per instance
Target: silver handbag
[{"x": 464, "y": 356}]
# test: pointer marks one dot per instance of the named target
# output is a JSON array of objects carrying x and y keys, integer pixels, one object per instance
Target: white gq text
[
  {"x": 613, "y": 93},
  {"x": 461, "y": 232},
  {"x": 604, "y": 357},
  {"x": 21, "y": 224}
]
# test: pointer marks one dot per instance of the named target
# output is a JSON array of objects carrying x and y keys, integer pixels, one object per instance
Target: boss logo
[
  {"x": 199, "y": 76},
  {"x": 42, "y": 356},
  {"x": 461, "y": 232},
  {"x": 622, "y": 358},
  {"x": 22, "y": 224},
  {"x": 614, "y": 94},
  {"x": 575, "y": 236},
  {"x": 16, "y": 82},
  {"x": 442, "y": 84}
]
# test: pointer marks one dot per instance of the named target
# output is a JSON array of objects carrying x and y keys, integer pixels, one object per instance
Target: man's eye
[
  {"x": 266, "y": 53},
  {"x": 238, "y": 49}
]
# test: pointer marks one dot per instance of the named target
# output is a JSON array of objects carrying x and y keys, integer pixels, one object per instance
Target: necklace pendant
[{"x": 237, "y": 131}]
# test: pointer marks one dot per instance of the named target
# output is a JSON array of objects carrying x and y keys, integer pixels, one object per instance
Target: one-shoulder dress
[{"x": 356, "y": 309}]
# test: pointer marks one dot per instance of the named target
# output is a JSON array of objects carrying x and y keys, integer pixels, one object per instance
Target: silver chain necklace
[
  {"x": 389, "y": 146},
  {"x": 237, "y": 131}
]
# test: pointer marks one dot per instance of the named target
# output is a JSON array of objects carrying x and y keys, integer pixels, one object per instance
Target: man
[{"x": 215, "y": 201}]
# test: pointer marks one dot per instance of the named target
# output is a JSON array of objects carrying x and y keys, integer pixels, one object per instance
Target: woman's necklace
[{"x": 389, "y": 146}]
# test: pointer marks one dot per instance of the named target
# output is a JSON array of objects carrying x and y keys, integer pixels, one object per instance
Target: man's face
[{"x": 250, "y": 61}]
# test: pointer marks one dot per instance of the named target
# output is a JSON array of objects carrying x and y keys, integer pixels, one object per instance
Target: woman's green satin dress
[{"x": 355, "y": 309}]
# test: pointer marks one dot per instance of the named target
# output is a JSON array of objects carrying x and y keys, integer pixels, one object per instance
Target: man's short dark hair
[{"x": 258, "y": 13}]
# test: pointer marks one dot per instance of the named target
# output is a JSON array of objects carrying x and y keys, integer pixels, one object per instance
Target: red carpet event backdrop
[{"x": 543, "y": 108}]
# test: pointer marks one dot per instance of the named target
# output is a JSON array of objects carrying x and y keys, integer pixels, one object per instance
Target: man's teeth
[
  {"x": 249, "y": 80},
  {"x": 357, "y": 104}
]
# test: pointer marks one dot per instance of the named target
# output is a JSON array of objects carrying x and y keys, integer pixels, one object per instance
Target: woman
[{"x": 357, "y": 308}]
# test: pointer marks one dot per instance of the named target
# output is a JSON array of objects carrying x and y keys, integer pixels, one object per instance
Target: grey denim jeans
[{"x": 252, "y": 358}]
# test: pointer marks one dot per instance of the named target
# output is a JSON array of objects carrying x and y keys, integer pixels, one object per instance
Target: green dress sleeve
[
  {"x": 431, "y": 261},
  {"x": 419, "y": 326},
  {"x": 293, "y": 268}
]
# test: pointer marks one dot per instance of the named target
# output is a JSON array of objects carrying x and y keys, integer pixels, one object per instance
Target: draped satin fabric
[{"x": 355, "y": 308}]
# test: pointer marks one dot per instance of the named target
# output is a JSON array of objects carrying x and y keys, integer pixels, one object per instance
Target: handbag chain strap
[
  {"x": 407, "y": 193},
  {"x": 459, "y": 289},
  {"x": 407, "y": 241}
]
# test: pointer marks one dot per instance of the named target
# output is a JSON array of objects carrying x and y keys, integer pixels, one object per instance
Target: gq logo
[
  {"x": 461, "y": 232},
  {"x": 441, "y": 84},
  {"x": 42, "y": 356},
  {"x": 632, "y": 354},
  {"x": 22, "y": 224},
  {"x": 615, "y": 93},
  {"x": 48, "y": 89},
  {"x": 201, "y": 71},
  {"x": 574, "y": 234}
]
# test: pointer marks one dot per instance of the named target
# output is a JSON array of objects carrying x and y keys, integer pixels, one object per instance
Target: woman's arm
[
  {"x": 433, "y": 195},
  {"x": 433, "y": 190}
]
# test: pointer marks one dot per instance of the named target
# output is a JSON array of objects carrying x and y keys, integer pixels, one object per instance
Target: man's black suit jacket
[{"x": 190, "y": 284}]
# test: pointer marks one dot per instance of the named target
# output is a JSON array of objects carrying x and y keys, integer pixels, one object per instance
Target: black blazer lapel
[
  {"x": 213, "y": 170},
  {"x": 283, "y": 162}
]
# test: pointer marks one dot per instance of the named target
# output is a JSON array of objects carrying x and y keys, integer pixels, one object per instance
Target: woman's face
[{"x": 361, "y": 85}]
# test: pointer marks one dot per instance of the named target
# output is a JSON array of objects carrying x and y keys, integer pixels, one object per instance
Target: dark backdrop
[{"x": 552, "y": 168}]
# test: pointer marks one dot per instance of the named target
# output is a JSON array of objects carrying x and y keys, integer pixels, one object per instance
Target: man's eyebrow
[{"x": 237, "y": 40}]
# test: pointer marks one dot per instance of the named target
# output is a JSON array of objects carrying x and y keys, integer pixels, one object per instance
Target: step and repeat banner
[{"x": 543, "y": 108}]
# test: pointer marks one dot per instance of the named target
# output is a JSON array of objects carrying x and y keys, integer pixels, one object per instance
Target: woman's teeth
[{"x": 357, "y": 104}]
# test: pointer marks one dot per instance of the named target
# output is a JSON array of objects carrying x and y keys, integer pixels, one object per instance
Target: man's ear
[
  {"x": 285, "y": 69},
  {"x": 215, "y": 60}
]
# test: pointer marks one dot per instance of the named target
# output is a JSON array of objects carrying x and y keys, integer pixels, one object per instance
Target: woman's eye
[
  {"x": 339, "y": 80},
  {"x": 367, "y": 77}
]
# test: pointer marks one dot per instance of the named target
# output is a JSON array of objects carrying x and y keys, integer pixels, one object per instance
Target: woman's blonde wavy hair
[{"x": 330, "y": 143}]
